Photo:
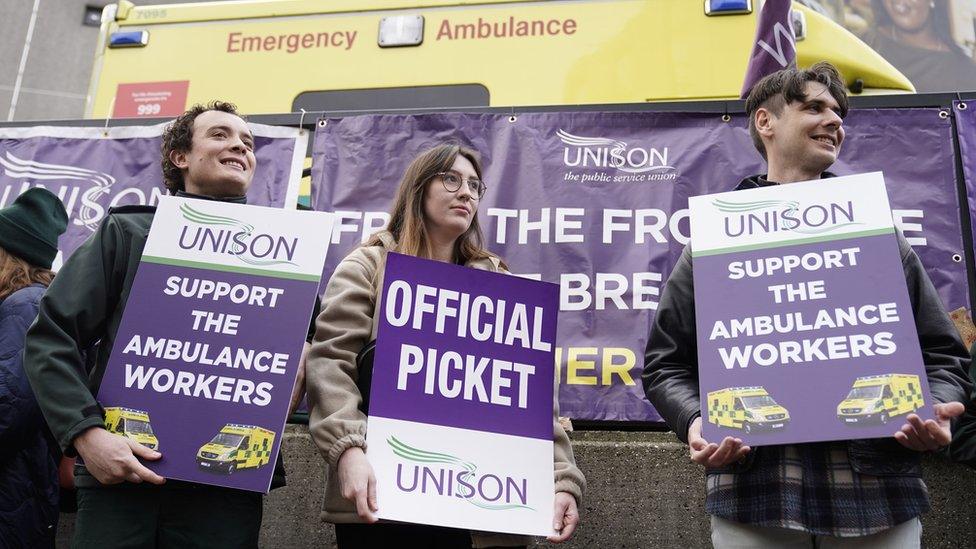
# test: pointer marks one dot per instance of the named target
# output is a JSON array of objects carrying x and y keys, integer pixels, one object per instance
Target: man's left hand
[
  {"x": 930, "y": 434},
  {"x": 299, "y": 391},
  {"x": 565, "y": 517}
]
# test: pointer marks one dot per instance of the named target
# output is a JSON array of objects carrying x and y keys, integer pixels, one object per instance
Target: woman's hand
[
  {"x": 565, "y": 517},
  {"x": 357, "y": 483}
]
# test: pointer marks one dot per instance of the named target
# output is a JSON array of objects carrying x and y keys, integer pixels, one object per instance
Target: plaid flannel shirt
[{"x": 812, "y": 488}]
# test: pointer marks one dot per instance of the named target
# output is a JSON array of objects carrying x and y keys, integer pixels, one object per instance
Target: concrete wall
[
  {"x": 59, "y": 59},
  {"x": 643, "y": 492}
]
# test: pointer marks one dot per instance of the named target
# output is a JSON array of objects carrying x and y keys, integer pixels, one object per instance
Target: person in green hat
[{"x": 29, "y": 230}]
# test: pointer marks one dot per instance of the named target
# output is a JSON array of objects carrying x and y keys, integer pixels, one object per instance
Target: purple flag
[{"x": 774, "y": 48}]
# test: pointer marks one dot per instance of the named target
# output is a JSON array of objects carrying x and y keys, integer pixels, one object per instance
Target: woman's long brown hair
[{"x": 15, "y": 273}]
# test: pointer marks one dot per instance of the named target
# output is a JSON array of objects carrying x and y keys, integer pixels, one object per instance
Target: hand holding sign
[
  {"x": 111, "y": 459},
  {"x": 930, "y": 434},
  {"x": 710, "y": 454},
  {"x": 565, "y": 517},
  {"x": 298, "y": 392},
  {"x": 358, "y": 483}
]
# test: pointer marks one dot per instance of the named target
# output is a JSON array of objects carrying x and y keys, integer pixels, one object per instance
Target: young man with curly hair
[{"x": 207, "y": 154}]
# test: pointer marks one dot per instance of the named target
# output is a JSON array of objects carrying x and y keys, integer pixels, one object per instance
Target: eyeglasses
[{"x": 452, "y": 182}]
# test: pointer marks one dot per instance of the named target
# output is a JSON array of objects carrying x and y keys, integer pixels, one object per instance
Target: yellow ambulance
[
  {"x": 879, "y": 398},
  {"x": 279, "y": 56},
  {"x": 237, "y": 447},
  {"x": 132, "y": 424},
  {"x": 746, "y": 408}
]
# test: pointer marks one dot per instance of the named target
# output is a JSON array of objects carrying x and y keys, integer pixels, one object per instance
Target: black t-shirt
[
  {"x": 929, "y": 71},
  {"x": 315, "y": 314}
]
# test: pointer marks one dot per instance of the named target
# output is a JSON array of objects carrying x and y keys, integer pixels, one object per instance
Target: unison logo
[
  {"x": 602, "y": 152},
  {"x": 446, "y": 475},
  {"x": 771, "y": 216},
  {"x": 90, "y": 211},
  {"x": 226, "y": 235}
]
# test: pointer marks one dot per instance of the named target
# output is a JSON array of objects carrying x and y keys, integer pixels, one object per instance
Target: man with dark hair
[
  {"x": 782, "y": 88},
  {"x": 207, "y": 154},
  {"x": 863, "y": 493},
  {"x": 178, "y": 137}
]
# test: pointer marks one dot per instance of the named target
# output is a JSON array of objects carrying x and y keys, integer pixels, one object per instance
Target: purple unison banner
[
  {"x": 805, "y": 328},
  {"x": 597, "y": 202},
  {"x": 461, "y": 404},
  {"x": 93, "y": 169},
  {"x": 207, "y": 351},
  {"x": 966, "y": 129}
]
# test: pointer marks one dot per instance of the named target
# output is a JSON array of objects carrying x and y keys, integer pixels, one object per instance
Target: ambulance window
[
  {"x": 245, "y": 442},
  {"x": 911, "y": 388},
  {"x": 887, "y": 392},
  {"x": 121, "y": 427},
  {"x": 738, "y": 404},
  {"x": 412, "y": 97}
]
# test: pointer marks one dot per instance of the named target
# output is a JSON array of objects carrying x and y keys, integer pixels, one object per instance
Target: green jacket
[{"x": 80, "y": 312}]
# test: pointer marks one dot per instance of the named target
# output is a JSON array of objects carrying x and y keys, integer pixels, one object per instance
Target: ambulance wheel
[
  {"x": 747, "y": 427},
  {"x": 884, "y": 418},
  {"x": 231, "y": 468}
]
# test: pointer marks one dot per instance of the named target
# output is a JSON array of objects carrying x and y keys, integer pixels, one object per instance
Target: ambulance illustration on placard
[
  {"x": 879, "y": 398},
  {"x": 132, "y": 424},
  {"x": 747, "y": 408},
  {"x": 236, "y": 447}
]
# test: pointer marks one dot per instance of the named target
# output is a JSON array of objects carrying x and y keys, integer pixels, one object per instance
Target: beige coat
[{"x": 345, "y": 325}]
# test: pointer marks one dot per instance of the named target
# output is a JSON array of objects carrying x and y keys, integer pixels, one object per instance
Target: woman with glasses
[{"x": 434, "y": 216}]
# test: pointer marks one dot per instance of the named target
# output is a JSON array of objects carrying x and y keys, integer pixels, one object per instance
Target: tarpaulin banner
[
  {"x": 805, "y": 327},
  {"x": 966, "y": 130},
  {"x": 597, "y": 202},
  {"x": 93, "y": 169},
  {"x": 205, "y": 359}
]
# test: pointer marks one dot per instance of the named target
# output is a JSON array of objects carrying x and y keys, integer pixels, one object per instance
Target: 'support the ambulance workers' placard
[
  {"x": 206, "y": 356},
  {"x": 460, "y": 417},
  {"x": 805, "y": 329}
]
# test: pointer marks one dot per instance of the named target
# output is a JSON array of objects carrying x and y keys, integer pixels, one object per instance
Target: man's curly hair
[{"x": 178, "y": 136}]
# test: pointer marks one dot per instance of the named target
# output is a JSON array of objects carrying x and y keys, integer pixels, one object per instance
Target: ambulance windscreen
[
  {"x": 225, "y": 439},
  {"x": 134, "y": 426},
  {"x": 758, "y": 401},
  {"x": 865, "y": 392}
]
